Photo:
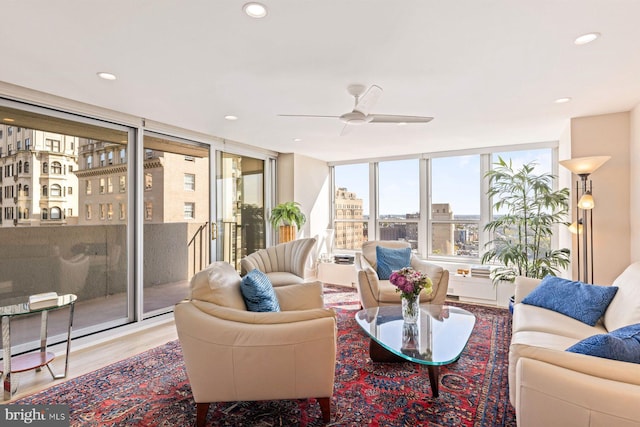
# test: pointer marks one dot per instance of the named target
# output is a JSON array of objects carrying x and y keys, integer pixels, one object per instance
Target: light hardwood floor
[{"x": 90, "y": 357}]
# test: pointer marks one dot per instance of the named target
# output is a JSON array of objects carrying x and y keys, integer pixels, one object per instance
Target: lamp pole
[{"x": 585, "y": 264}]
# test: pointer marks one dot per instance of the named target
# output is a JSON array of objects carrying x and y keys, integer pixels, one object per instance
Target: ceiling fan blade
[
  {"x": 347, "y": 129},
  {"x": 368, "y": 99},
  {"x": 307, "y": 115},
  {"x": 388, "y": 118}
]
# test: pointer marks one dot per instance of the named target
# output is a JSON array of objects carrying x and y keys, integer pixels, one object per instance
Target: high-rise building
[
  {"x": 442, "y": 240},
  {"x": 37, "y": 177},
  {"x": 349, "y": 222}
]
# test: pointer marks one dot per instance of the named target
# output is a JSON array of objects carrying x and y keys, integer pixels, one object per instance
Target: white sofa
[{"x": 549, "y": 386}]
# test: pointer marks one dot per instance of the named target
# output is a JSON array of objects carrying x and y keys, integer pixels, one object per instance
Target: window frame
[{"x": 425, "y": 221}]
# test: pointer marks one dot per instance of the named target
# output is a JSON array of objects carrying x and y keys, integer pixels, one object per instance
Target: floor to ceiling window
[
  {"x": 351, "y": 205},
  {"x": 441, "y": 215},
  {"x": 399, "y": 200},
  {"x": 455, "y": 207},
  {"x": 79, "y": 196},
  {"x": 51, "y": 238}
]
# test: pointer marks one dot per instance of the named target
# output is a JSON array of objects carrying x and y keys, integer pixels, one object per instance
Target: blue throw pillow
[
  {"x": 622, "y": 344},
  {"x": 258, "y": 292},
  {"x": 584, "y": 302},
  {"x": 388, "y": 260}
]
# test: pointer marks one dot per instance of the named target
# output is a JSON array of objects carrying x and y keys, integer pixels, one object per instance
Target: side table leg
[
  {"x": 6, "y": 355},
  {"x": 66, "y": 359},
  {"x": 44, "y": 325},
  {"x": 434, "y": 377}
]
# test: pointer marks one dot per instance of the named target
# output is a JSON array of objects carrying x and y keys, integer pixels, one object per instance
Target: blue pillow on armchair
[
  {"x": 622, "y": 344},
  {"x": 388, "y": 260},
  {"x": 581, "y": 301},
  {"x": 258, "y": 292}
]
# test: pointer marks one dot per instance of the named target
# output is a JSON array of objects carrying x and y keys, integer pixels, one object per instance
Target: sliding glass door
[
  {"x": 176, "y": 218},
  {"x": 240, "y": 207}
]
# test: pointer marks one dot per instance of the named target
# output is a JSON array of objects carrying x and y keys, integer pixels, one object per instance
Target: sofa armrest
[
  {"x": 551, "y": 395},
  {"x": 599, "y": 367},
  {"x": 524, "y": 285}
]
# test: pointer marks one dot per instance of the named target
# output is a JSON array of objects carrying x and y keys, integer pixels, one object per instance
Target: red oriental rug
[{"x": 152, "y": 389}]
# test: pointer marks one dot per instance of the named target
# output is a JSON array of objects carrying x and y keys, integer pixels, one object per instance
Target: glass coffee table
[{"x": 438, "y": 338}]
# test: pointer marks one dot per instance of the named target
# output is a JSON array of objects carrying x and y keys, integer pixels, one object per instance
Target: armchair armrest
[
  {"x": 438, "y": 275},
  {"x": 303, "y": 296},
  {"x": 368, "y": 282},
  {"x": 524, "y": 285},
  {"x": 268, "y": 318}
]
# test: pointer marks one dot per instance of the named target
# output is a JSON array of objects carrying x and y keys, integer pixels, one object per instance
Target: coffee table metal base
[{"x": 380, "y": 354}]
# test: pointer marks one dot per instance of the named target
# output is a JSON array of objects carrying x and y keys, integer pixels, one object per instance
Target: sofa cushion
[
  {"x": 219, "y": 283},
  {"x": 622, "y": 344},
  {"x": 258, "y": 292},
  {"x": 283, "y": 278},
  {"x": 581, "y": 301},
  {"x": 389, "y": 259},
  {"x": 531, "y": 318},
  {"x": 625, "y": 308}
]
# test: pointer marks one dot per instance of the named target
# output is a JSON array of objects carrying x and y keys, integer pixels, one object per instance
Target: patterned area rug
[{"x": 152, "y": 389}]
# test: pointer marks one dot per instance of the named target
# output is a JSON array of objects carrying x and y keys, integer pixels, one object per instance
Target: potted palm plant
[
  {"x": 285, "y": 217},
  {"x": 529, "y": 209}
]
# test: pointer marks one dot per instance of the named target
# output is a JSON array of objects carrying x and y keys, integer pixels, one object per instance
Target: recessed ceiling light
[
  {"x": 402, "y": 123},
  {"x": 106, "y": 76},
  {"x": 255, "y": 10},
  {"x": 7, "y": 119},
  {"x": 562, "y": 100},
  {"x": 586, "y": 38},
  {"x": 230, "y": 117},
  {"x": 297, "y": 139}
]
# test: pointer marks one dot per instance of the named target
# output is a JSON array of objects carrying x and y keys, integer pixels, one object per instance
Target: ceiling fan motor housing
[{"x": 355, "y": 118}]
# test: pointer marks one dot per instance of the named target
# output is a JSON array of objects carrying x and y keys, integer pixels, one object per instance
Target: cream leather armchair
[
  {"x": 235, "y": 355},
  {"x": 375, "y": 292},
  {"x": 284, "y": 264}
]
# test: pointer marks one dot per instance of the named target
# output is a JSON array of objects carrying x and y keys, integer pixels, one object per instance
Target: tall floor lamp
[{"x": 583, "y": 167}]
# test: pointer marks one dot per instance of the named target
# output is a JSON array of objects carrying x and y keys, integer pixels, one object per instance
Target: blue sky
[{"x": 456, "y": 180}]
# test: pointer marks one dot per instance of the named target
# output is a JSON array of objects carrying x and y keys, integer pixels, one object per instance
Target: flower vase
[{"x": 410, "y": 308}]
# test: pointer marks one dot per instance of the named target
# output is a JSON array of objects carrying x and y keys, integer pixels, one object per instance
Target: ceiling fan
[{"x": 365, "y": 99}]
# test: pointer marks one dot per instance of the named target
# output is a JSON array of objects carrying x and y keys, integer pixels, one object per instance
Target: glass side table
[{"x": 34, "y": 360}]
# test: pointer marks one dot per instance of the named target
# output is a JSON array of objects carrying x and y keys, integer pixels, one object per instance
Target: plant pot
[{"x": 287, "y": 233}]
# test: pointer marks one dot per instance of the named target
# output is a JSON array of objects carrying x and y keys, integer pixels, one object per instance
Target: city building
[
  {"x": 350, "y": 222},
  {"x": 37, "y": 177}
]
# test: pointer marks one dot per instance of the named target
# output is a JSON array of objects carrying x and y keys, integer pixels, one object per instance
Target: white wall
[
  {"x": 634, "y": 190},
  {"x": 306, "y": 181},
  {"x": 565, "y": 180},
  {"x": 607, "y": 134}
]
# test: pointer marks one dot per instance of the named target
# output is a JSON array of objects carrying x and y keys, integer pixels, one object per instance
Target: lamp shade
[
  {"x": 586, "y": 201},
  {"x": 576, "y": 227},
  {"x": 584, "y": 165}
]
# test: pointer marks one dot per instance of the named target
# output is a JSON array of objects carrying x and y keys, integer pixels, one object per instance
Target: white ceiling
[{"x": 488, "y": 71}]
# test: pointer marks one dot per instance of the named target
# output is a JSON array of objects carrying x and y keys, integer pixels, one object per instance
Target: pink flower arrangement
[{"x": 410, "y": 282}]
